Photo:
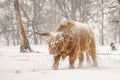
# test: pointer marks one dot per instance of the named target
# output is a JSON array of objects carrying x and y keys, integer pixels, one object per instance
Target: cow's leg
[
  {"x": 94, "y": 60},
  {"x": 93, "y": 56},
  {"x": 72, "y": 58},
  {"x": 56, "y": 61},
  {"x": 88, "y": 57},
  {"x": 81, "y": 58},
  {"x": 93, "y": 52},
  {"x": 71, "y": 62}
]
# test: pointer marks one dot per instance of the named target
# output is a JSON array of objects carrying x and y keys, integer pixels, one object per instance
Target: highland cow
[{"x": 71, "y": 39}]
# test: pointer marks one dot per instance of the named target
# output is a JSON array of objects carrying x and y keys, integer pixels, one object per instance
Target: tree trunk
[
  {"x": 8, "y": 41},
  {"x": 24, "y": 44},
  {"x": 102, "y": 29},
  {"x": 73, "y": 9},
  {"x": 119, "y": 34},
  {"x": 119, "y": 22},
  {"x": 115, "y": 36},
  {"x": 13, "y": 36},
  {"x": 33, "y": 21}
]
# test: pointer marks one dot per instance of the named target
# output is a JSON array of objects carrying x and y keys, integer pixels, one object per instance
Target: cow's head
[{"x": 59, "y": 43}]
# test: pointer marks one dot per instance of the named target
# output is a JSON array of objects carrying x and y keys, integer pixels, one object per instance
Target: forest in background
[{"x": 45, "y": 15}]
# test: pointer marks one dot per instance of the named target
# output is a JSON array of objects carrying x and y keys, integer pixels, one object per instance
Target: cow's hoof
[
  {"x": 80, "y": 66},
  {"x": 55, "y": 67},
  {"x": 71, "y": 67},
  {"x": 95, "y": 65}
]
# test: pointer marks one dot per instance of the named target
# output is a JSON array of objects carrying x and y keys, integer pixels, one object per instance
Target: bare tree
[
  {"x": 102, "y": 24},
  {"x": 75, "y": 9},
  {"x": 45, "y": 15},
  {"x": 115, "y": 21},
  {"x": 119, "y": 1},
  {"x": 23, "y": 39},
  {"x": 68, "y": 8},
  {"x": 33, "y": 14},
  {"x": 119, "y": 21},
  {"x": 37, "y": 7}
]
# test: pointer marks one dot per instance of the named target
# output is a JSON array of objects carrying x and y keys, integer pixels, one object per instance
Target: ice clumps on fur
[{"x": 53, "y": 40}]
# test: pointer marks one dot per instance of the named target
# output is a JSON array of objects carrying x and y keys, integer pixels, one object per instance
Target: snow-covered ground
[{"x": 38, "y": 66}]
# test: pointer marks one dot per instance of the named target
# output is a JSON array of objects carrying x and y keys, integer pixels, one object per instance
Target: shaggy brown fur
[
  {"x": 72, "y": 40},
  {"x": 62, "y": 45},
  {"x": 82, "y": 40},
  {"x": 70, "y": 47},
  {"x": 65, "y": 26}
]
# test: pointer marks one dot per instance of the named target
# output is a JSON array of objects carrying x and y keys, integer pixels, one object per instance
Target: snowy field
[{"x": 38, "y": 66}]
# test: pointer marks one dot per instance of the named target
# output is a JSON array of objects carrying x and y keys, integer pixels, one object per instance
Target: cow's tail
[{"x": 42, "y": 34}]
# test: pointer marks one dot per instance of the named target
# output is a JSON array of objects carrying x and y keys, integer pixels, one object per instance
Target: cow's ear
[{"x": 42, "y": 34}]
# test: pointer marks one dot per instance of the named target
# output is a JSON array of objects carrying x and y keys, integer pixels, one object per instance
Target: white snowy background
[
  {"x": 38, "y": 66},
  {"x": 44, "y": 16}
]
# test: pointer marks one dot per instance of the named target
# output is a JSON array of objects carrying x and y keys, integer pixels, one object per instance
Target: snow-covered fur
[
  {"x": 80, "y": 39},
  {"x": 72, "y": 39},
  {"x": 62, "y": 45}
]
